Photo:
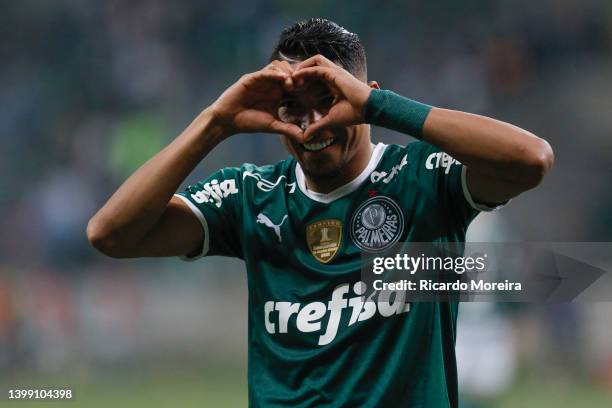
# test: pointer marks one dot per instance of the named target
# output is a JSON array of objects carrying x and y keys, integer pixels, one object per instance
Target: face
[{"x": 329, "y": 151}]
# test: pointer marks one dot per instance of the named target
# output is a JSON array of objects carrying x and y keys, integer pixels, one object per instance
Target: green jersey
[{"x": 313, "y": 340}]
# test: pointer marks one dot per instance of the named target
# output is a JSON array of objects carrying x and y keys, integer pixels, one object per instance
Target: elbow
[
  {"x": 102, "y": 238},
  {"x": 537, "y": 162}
]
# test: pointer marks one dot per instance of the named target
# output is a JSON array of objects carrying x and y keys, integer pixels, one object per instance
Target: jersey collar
[{"x": 349, "y": 187}]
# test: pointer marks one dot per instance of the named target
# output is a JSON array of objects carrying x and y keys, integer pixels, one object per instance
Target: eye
[
  {"x": 327, "y": 101},
  {"x": 288, "y": 103}
]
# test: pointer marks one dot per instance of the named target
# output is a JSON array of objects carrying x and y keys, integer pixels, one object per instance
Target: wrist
[
  {"x": 361, "y": 98},
  {"x": 214, "y": 124},
  {"x": 388, "y": 109},
  {"x": 208, "y": 130}
]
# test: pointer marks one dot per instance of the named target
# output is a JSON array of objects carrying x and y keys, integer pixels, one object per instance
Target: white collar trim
[{"x": 349, "y": 187}]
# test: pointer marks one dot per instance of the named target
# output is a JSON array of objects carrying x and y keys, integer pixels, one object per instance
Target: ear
[{"x": 373, "y": 84}]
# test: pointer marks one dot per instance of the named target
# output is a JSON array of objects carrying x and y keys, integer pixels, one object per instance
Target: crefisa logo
[{"x": 377, "y": 224}]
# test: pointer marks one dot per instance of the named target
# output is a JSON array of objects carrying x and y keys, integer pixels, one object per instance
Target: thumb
[
  {"x": 317, "y": 126},
  {"x": 288, "y": 129}
]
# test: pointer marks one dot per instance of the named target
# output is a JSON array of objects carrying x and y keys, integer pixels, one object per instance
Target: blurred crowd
[{"x": 89, "y": 90}]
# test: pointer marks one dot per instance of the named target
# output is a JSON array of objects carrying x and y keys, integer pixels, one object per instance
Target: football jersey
[{"x": 313, "y": 339}]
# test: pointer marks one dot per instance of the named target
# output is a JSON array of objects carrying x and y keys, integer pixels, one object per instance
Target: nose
[
  {"x": 310, "y": 118},
  {"x": 315, "y": 115},
  {"x": 302, "y": 119}
]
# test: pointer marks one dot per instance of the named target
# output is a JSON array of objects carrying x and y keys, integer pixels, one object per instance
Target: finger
[
  {"x": 271, "y": 66},
  {"x": 283, "y": 66},
  {"x": 326, "y": 74},
  {"x": 317, "y": 60},
  {"x": 288, "y": 84},
  {"x": 313, "y": 129},
  {"x": 268, "y": 74},
  {"x": 288, "y": 129}
]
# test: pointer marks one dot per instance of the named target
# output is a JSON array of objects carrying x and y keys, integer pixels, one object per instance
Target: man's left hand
[{"x": 351, "y": 93}]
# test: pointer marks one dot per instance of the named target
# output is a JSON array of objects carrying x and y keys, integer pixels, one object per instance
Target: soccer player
[{"x": 302, "y": 224}]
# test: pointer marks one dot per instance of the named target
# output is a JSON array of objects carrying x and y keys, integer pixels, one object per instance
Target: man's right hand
[
  {"x": 251, "y": 104},
  {"x": 142, "y": 218}
]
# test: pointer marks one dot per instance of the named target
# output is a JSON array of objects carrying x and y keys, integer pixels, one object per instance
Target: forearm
[
  {"x": 489, "y": 146},
  {"x": 134, "y": 209},
  {"x": 485, "y": 145}
]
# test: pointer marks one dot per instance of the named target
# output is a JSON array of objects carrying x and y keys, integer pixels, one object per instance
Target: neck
[{"x": 348, "y": 173}]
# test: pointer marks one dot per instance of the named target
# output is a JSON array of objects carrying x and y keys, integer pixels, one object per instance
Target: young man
[{"x": 302, "y": 224}]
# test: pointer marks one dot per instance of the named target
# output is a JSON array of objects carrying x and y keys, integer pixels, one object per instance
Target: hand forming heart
[{"x": 251, "y": 104}]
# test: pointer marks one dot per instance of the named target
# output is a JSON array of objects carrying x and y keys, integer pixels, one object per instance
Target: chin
[
  {"x": 323, "y": 173},
  {"x": 324, "y": 166},
  {"x": 327, "y": 163}
]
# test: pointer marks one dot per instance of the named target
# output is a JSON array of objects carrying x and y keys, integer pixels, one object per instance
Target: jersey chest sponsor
[{"x": 325, "y": 317}]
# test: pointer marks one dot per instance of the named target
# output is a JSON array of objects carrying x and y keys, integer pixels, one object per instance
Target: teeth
[{"x": 316, "y": 146}]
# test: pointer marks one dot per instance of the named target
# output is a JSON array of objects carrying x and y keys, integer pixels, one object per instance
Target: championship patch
[
  {"x": 377, "y": 224},
  {"x": 324, "y": 238}
]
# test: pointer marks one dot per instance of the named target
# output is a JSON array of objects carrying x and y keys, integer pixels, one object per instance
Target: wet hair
[{"x": 307, "y": 38}]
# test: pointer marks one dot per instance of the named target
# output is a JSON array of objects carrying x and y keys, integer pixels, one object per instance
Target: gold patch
[{"x": 323, "y": 238}]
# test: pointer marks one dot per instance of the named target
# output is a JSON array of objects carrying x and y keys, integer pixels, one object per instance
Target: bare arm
[
  {"x": 142, "y": 218},
  {"x": 139, "y": 218},
  {"x": 502, "y": 160}
]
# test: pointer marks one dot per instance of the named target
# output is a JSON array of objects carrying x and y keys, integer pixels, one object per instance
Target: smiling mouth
[{"x": 318, "y": 145}]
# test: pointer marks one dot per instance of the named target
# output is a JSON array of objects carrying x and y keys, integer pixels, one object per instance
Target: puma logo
[{"x": 263, "y": 219}]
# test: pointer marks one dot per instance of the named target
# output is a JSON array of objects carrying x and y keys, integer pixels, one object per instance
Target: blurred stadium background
[{"x": 89, "y": 90}]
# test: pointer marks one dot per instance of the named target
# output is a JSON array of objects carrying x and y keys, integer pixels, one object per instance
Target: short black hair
[{"x": 315, "y": 36}]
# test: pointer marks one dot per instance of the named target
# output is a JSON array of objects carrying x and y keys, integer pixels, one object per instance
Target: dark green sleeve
[
  {"x": 216, "y": 202},
  {"x": 390, "y": 110}
]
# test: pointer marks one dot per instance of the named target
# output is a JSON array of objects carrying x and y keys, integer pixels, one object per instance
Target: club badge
[
  {"x": 377, "y": 224},
  {"x": 324, "y": 238}
]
